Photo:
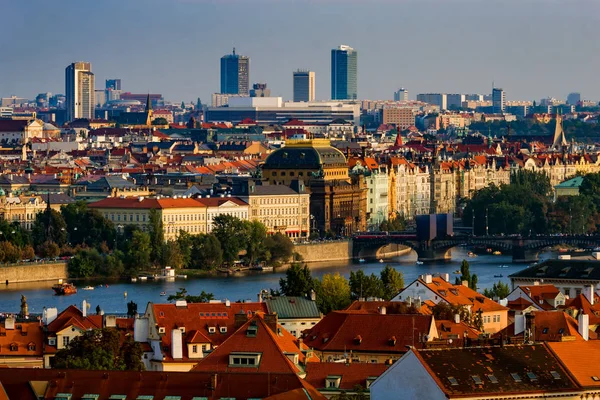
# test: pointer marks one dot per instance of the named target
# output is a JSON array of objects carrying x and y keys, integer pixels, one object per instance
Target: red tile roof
[
  {"x": 580, "y": 359},
  {"x": 353, "y": 375},
  {"x": 17, "y": 342}
]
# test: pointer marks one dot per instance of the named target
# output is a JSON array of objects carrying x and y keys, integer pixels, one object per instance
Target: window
[
  {"x": 161, "y": 329},
  {"x": 14, "y": 347},
  {"x": 65, "y": 341},
  {"x": 532, "y": 377},
  {"x": 515, "y": 376},
  {"x": 453, "y": 381},
  {"x": 555, "y": 374},
  {"x": 477, "y": 379},
  {"x": 194, "y": 348},
  {"x": 223, "y": 329},
  {"x": 31, "y": 347},
  {"x": 333, "y": 381},
  {"x": 492, "y": 378},
  {"x": 244, "y": 359},
  {"x": 212, "y": 329}
]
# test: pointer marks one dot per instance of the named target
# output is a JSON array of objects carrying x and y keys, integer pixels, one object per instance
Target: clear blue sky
[{"x": 531, "y": 48}]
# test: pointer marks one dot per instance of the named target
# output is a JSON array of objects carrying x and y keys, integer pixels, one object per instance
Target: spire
[
  {"x": 559, "y": 134},
  {"x": 148, "y": 103},
  {"x": 398, "y": 142}
]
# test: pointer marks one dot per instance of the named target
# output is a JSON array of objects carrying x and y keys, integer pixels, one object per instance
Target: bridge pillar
[
  {"x": 520, "y": 254},
  {"x": 431, "y": 255}
]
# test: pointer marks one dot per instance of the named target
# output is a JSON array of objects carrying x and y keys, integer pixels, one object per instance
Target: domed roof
[
  {"x": 305, "y": 155},
  {"x": 49, "y": 127}
]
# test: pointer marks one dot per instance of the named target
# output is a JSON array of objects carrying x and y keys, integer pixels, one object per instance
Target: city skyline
[{"x": 462, "y": 47}]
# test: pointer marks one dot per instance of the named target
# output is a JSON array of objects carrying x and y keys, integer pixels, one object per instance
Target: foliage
[
  {"x": 171, "y": 254},
  {"x": 574, "y": 215},
  {"x": 206, "y": 252},
  {"x": 49, "y": 226},
  {"x": 185, "y": 241},
  {"x": 83, "y": 265},
  {"x": 499, "y": 289},
  {"x": 477, "y": 320},
  {"x": 537, "y": 182},
  {"x": 87, "y": 226},
  {"x": 333, "y": 292},
  {"x": 48, "y": 249},
  {"x": 446, "y": 311},
  {"x": 365, "y": 286},
  {"x": 278, "y": 249},
  {"x": 138, "y": 255},
  {"x": 131, "y": 309},
  {"x": 182, "y": 294},
  {"x": 9, "y": 253},
  {"x": 156, "y": 233},
  {"x": 297, "y": 281},
  {"x": 398, "y": 223},
  {"x": 160, "y": 121},
  {"x": 392, "y": 281},
  {"x": 256, "y": 233},
  {"x": 101, "y": 349},
  {"x": 232, "y": 235}
]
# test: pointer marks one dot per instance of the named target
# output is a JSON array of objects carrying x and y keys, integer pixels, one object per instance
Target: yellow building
[
  {"x": 193, "y": 216},
  {"x": 23, "y": 209}
]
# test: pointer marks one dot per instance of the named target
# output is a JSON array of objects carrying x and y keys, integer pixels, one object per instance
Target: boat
[
  {"x": 61, "y": 289},
  {"x": 163, "y": 293},
  {"x": 498, "y": 276},
  {"x": 361, "y": 260},
  {"x": 381, "y": 260},
  {"x": 88, "y": 288},
  {"x": 181, "y": 276},
  {"x": 457, "y": 272},
  {"x": 497, "y": 253},
  {"x": 471, "y": 254},
  {"x": 143, "y": 278},
  {"x": 502, "y": 266},
  {"x": 419, "y": 262},
  {"x": 134, "y": 279}
]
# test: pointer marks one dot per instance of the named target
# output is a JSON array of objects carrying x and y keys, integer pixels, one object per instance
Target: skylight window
[
  {"x": 453, "y": 381},
  {"x": 477, "y": 379},
  {"x": 532, "y": 377},
  {"x": 492, "y": 378},
  {"x": 555, "y": 375},
  {"x": 545, "y": 331},
  {"x": 561, "y": 331},
  {"x": 595, "y": 378},
  {"x": 515, "y": 376}
]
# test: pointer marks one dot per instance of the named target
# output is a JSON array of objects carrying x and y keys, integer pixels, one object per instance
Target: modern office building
[
  {"x": 260, "y": 90},
  {"x": 401, "y": 95},
  {"x": 438, "y": 99},
  {"x": 304, "y": 85},
  {"x": 235, "y": 74},
  {"x": 80, "y": 91},
  {"x": 273, "y": 110},
  {"x": 454, "y": 101},
  {"x": 114, "y": 84},
  {"x": 573, "y": 98},
  {"x": 344, "y": 73},
  {"x": 498, "y": 100}
]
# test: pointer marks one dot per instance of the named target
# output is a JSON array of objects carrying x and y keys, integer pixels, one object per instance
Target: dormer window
[
  {"x": 161, "y": 329},
  {"x": 14, "y": 347},
  {"x": 223, "y": 329},
  {"x": 52, "y": 341},
  {"x": 31, "y": 347},
  {"x": 370, "y": 380},
  {"x": 212, "y": 329},
  {"x": 333, "y": 381},
  {"x": 392, "y": 341},
  {"x": 358, "y": 339},
  {"x": 242, "y": 359}
]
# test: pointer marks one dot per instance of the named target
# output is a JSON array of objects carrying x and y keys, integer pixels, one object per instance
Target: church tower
[{"x": 559, "y": 135}]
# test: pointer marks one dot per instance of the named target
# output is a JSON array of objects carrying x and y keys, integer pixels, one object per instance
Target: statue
[
  {"x": 24, "y": 307},
  {"x": 320, "y": 174}
]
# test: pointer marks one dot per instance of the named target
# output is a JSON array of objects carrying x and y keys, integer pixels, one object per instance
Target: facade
[
  {"x": 193, "y": 216},
  {"x": 498, "y": 101},
  {"x": 235, "y": 74},
  {"x": 409, "y": 188},
  {"x": 438, "y": 289},
  {"x": 304, "y": 85},
  {"x": 24, "y": 209},
  {"x": 295, "y": 314},
  {"x": 454, "y": 100},
  {"x": 438, "y": 99},
  {"x": 80, "y": 91},
  {"x": 401, "y": 95},
  {"x": 21, "y": 130},
  {"x": 401, "y": 117},
  {"x": 21, "y": 344},
  {"x": 260, "y": 90},
  {"x": 344, "y": 73},
  {"x": 113, "y": 84},
  {"x": 574, "y": 98},
  {"x": 376, "y": 177}
]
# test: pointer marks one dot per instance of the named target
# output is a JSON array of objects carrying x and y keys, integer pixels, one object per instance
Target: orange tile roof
[
  {"x": 448, "y": 328},
  {"x": 353, "y": 375},
  {"x": 580, "y": 359},
  {"x": 73, "y": 316},
  {"x": 24, "y": 335}
]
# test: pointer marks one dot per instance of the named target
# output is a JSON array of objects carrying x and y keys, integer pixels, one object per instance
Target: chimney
[
  {"x": 49, "y": 315},
  {"x": 240, "y": 319},
  {"x": 519, "y": 323},
  {"x": 584, "y": 325},
  {"x": 271, "y": 321},
  {"x": 227, "y": 303},
  {"x": 465, "y": 283},
  {"x": 588, "y": 292},
  {"x": 447, "y": 277},
  {"x": 313, "y": 295},
  {"x": 84, "y": 308},
  {"x": 457, "y": 318},
  {"x": 428, "y": 278},
  {"x": 9, "y": 323},
  {"x": 259, "y": 297},
  {"x": 176, "y": 344},
  {"x": 214, "y": 381},
  {"x": 382, "y": 310},
  {"x": 110, "y": 321},
  {"x": 536, "y": 283}
]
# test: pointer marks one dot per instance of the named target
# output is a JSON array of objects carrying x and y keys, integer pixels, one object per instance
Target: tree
[
  {"x": 392, "y": 281},
  {"x": 206, "y": 252},
  {"x": 183, "y": 105},
  {"x": 87, "y": 226},
  {"x": 48, "y": 249},
  {"x": 537, "y": 182},
  {"x": 279, "y": 248},
  {"x": 446, "y": 311},
  {"x": 84, "y": 263},
  {"x": 182, "y": 294},
  {"x": 333, "y": 292},
  {"x": 365, "y": 286},
  {"x": 256, "y": 234},
  {"x": 185, "y": 242},
  {"x": 101, "y": 349},
  {"x": 232, "y": 235},
  {"x": 297, "y": 281},
  {"x": 138, "y": 254},
  {"x": 499, "y": 290},
  {"x": 160, "y": 121},
  {"x": 157, "y": 234},
  {"x": 171, "y": 254},
  {"x": 398, "y": 223},
  {"x": 49, "y": 226},
  {"x": 465, "y": 274},
  {"x": 131, "y": 309}
]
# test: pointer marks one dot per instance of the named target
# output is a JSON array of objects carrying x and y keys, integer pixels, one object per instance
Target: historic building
[{"x": 337, "y": 200}]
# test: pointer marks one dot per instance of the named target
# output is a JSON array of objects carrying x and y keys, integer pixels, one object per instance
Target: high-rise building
[
  {"x": 235, "y": 74},
  {"x": 438, "y": 99},
  {"x": 498, "y": 101},
  {"x": 401, "y": 95},
  {"x": 573, "y": 98},
  {"x": 80, "y": 91},
  {"x": 304, "y": 85},
  {"x": 454, "y": 101},
  {"x": 260, "y": 90},
  {"x": 114, "y": 84},
  {"x": 344, "y": 71}
]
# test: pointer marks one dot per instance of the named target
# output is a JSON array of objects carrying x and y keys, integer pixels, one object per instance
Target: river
[{"x": 112, "y": 299}]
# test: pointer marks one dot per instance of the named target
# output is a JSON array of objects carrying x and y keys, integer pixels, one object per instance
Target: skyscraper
[
  {"x": 304, "y": 85},
  {"x": 498, "y": 101},
  {"x": 114, "y": 84},
  {"x": 79, "y": 91},
  {"x": 573, "y": 98},
  {"x": 344, "y": 71},
  {"x": 235, "y": 74},
  {"x": 401, "y": 94}
]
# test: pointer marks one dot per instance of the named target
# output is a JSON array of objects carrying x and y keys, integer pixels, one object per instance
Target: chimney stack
[
  {"x": 271, "y": 321},
  {"x": 519, "y": 323},
  {"x": 176, "y": 344},
  {"x": 583, "y": 321},
  {"x": 382, "y": 310},
  {"x": 84, "y": 308},
  {"x": 457, "y": 318},
  {"x": 465, "y": 283},
  {"x": 240, "y": 319},
  {"x": 588, "y": 292}
]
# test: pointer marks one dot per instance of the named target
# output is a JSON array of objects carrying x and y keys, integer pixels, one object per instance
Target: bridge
[{"x": 523, "y": 248}]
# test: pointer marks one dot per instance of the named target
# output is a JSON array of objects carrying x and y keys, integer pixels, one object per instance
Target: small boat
[
  {"x": 143, "y": 278},
  {"x": 163, "y": 293},
  {"x": 419, "y": 262},
  {"x": 502, "y": 266},
  {"x": 381, "y": 260},
  {"x": 457, "y": 272},
  {"x": 471, "y": 254},
  {"x": 498, "y": 276},
  {"x": 497, "y": 253},
  {"x": 62, "y": 289},
  {"x": 88, "y": 288},
  {"x": 181, "y": 276},
  {"x": 134, "y": 279},
  {"x": 267, "y": 269},
  {"x": 361, "y": 260}
]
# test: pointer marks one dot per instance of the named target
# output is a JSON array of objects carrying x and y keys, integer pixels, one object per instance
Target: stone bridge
[{"x": 523, "y": 248}]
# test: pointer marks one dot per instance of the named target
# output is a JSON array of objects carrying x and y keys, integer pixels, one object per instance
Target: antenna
[{"x": 234, "y": 51}]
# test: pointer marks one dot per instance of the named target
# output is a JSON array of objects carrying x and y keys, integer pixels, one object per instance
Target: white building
[{"x": 80, "y": 91}]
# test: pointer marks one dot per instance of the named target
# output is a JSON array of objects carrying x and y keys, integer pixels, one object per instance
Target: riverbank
[{"x": 33, "y": 272}]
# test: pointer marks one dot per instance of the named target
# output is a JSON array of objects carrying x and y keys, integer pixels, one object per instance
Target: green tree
[
  {"x": 87, "y": 226},
  {"x": 537, "y": 182},
  {"x": 160, "y": 121},
  {"x": 232, "y": 235},
  {"x": 182, "y": 294},
  {"x": 499, "y": 290},
  {"x": 333, "y": 292},
  {"x": 446, "y": 311},
  {"x": 171, "y": 254},
  {"x": 49, "y": 226},
  {"x": 398, "y": 223},
  {"x": 139, "y": 252},
  {"x": 185, "y": 242},
  {"x": 256, "y": 234},
  {"x": 157, "y": 235},
  {"x": 206, "y": 252},
  {"x": 365, "y": 286},
  {"x": 131, "y": 309},
  {"x": 477, "y": 320},
  {"x": 297, "y": 282},
  {"x": 48, "y": 249},
  {"x": 112, "y": 266},
  {"x": 279, "y": 248},
  {"x": 392, "y": 280},
  {"x": 101, "y": 349},
  {"x": 84, "y": 263}
]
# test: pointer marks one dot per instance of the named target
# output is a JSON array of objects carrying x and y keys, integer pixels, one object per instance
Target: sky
[{"x": 530, "y": 48}]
